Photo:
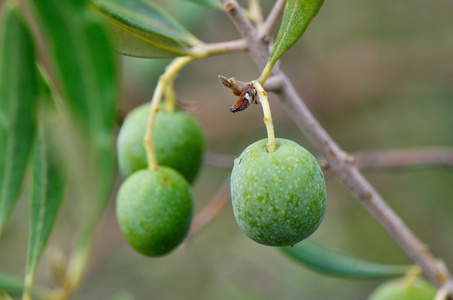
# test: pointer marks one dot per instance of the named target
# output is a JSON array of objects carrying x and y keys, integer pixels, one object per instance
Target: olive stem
[
  {"x": 165, "y": 80},
  {"x": 170, "y": 98},
  {"x": 266, "y": 73},
  {"x": 271, "y": 143}
]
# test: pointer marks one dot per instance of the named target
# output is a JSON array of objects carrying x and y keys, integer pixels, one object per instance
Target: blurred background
[{"x": 378, "y": 74}]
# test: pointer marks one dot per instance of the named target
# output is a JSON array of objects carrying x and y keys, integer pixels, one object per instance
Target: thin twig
[
  {"x": 366, "y": 160},
  {"x": 217, "y": 160},
  {"x": 399, "y": 158},
  {"x": 247, "y": 31},
  {"x": 254, "y": 12},
  {"x": 271, "y": 21},
  {"x": 204, "y": 50},
  {"x": 341, "y": 162},
  {"x": 211, "y": 211},
  {"x": 442, "y": 293}
]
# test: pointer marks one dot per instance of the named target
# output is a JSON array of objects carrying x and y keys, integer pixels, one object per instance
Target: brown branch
[
  {"x": 370, "y": 160},
  {"x": 223, "y": 161},
  {"x": 220, "y": 48},
  {"x": 271, "y": 21},
  {"x": 247, "y": 31},
  {"x": 399, "y": 158},
  {"x": 211, "y": 211},
  {"x": 340, "y": 162}
]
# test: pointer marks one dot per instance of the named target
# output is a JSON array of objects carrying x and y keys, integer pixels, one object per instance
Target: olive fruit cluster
[
  {"x": 154, "y": 207},
  {"x": 279, "y": 198},
  {"x": 404, "y": 289}
]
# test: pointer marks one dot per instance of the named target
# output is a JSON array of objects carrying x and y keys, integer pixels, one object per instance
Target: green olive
[
  {"x": 154, "y": 210},
  {"x": 278, "y": 198},
  {"x": 178, "y": 138},
  {"x": 404, "y": 289}
]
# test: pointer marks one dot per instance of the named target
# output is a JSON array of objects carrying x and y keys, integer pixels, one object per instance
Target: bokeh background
[{"x": 378, "y": 74}]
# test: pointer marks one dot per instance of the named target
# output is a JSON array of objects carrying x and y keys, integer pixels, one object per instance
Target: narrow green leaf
[
  {"x": 329, "y": 262},
  {"x": 18, "y": 94},
  {"x": 83, "y": 56},
  {"x": 144, "y": 29},
  {"x": 208, "y": 3},
  {"x": 46, "y": 196},
  {"x": 4, "y": 295},
  {"x": 10, "y": 285},
  {"x": 296, "y": 18},
  {"x": 14, "y": 287},
  {"x": 127, "y": 42}
]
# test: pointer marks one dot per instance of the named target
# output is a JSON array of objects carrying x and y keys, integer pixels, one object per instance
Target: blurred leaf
[
  {"x": 81, "y": 51},
  {"x": 121, "y": 296},
  {"x": 296, "y": 18},
  {"x": 129, "y": 44},
  {"x": 144, "y": 29},
  {"x": 4, "y": 296},
  {"x": 85, "y": 63},
  {"x": 10, "y": 285},
  {"x": 333, "y": 263},
  {"x": 209, "y": 3},
  {"x": 14, "y": 287},
  {"x": 18, "y": 94},
  {"x": 46, "y": 196}
]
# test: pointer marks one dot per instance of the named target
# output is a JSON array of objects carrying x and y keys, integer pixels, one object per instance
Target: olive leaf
[
  {"x": 18, "y": 94},
  {"x": 46, "y": 196},
  {"x": 296, "y": 18},
  {"x": 208, "y": 3},
  {"x": 82, "y": 55},
  {"x": 143, "y": 29},
  {"x": 330, "y": 262},
  {"x": 14, "y": 287},
  {"x": 80, "y": 50},
  {"x": 10, "y": 285}
]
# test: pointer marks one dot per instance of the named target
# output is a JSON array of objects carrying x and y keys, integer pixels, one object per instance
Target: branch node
[
  {"x": 231, "y": 8},
  {"x": 348, "y": 158},
  {"x": 235, "y": 85}
]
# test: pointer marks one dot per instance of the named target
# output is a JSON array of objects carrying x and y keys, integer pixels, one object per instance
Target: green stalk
[
  {"x": 165, "y": 80},
  {"x": 271, "y": 142}
]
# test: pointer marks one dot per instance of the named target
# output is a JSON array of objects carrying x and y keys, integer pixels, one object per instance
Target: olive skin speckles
[
  {"x": 154, "y": 210},
  {"x": 278, "y": 198},
  {"x": 179, "y": 142}
]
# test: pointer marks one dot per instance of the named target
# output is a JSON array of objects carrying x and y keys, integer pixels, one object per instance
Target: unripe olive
[
  {"x": 278, "y": 198},
  {"x": 178, "y": 138},
  {"x": 154, "y": 210},
  {"x": 404, "y": 289}
]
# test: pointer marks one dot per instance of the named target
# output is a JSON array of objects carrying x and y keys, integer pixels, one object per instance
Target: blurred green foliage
[{"x": 377, "y": 74}]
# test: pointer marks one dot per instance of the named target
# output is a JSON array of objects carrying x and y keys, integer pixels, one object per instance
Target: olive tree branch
[
  {"x": 340, "y": 162},
  {"x": 254, "y": 12},
  {"x": 271, "y": 20},
  {"x": 399, "y": 158},
  {"x": 211, "y": 210},
  {"x": 205, "y": 50},
  {"x": 371, "y": 160}
]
